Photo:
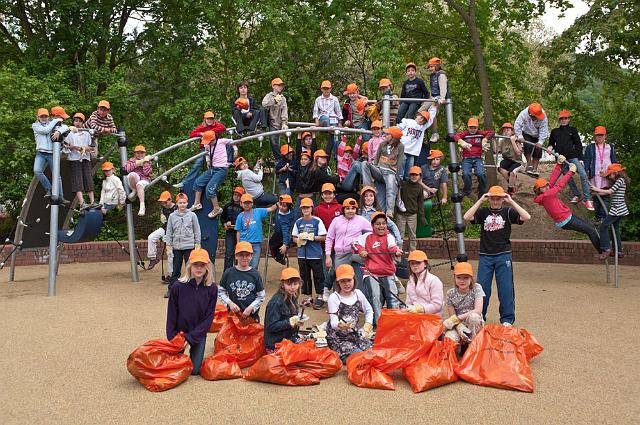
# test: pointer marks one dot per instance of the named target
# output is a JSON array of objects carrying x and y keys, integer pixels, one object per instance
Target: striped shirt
[
  {"x": 101, "y": 125},
  {"x": 618, "y": 205}
]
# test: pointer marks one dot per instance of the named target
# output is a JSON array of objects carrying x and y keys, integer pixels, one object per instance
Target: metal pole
[
  {"x": 56, "y": 198},
  {"x": 386, "y": 108},
  {"x": 456, "y": 198},
  {"x": 12, "y": 271},
  {"x": 615, "y": 248},
  {"x": 131, "y": 231}
]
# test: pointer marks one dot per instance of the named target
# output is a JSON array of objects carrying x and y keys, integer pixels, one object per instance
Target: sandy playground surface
[{"x": 63, "y": 358}]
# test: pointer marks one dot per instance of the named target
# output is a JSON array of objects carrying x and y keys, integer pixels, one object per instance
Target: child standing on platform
[
  {"x": 79, "y": 158},
  {"x": 511, "y": 157},
  {"x": 413, "y": 137}
]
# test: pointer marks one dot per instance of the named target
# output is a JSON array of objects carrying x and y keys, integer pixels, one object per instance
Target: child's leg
[
  {"x": 616, "y": 229},
  {"x": 467, "y": 166},
  {"x": 39, "y": 165},
  {"x": 87, "y": 180},
  {"x": 412, "y": 223},
  {"x": 169, "y": 263},
  {"x": 579, "y": 225},
  {"x": 76, "y": 180},
  {"x": 485, "y": 279},
  {"x": 504, "y": 283},
  {"x": 474, "y": 323},
  {"x": 513, "y": 175},
  {"x": 218, "y": 175},
  {"x": 196, "y": 352},
  {"x": 152, "y": 241},
  {"x": 132, "y": 180},
  {"x": 229, "y": 248},
  {"x": 390, "y": 291},
  {"x": 255, "y": 260},
  {"x": 402, "y": 111},
  {"x": 318, "y": 276},
  {"x": 401, "y": 222},
  {"x": 605, "y": 241},
  {"x": 374, "y": 291},
  {"x": 481, "y": 175},
  {"x": 305, "y": 274},
  {"x": 178, "y": 257}
]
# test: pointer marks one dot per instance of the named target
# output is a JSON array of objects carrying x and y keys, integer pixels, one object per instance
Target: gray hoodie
[{"x": 183, "y": 230}]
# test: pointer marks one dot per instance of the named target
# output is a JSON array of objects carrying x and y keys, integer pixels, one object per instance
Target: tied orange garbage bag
[
  {"x": 219, "y": 317},
  {"x": 496, "y": 358},
  {"x": 295, "y": 365},
  {"x": 401, "y": 339},
  {"x": 531, "y": 345},
  {"x": 245, "y": 335},
  {"x": 435, "y": 369},
  {"x": 222, "y": 365},
  {"x": 160, "y": 364}
]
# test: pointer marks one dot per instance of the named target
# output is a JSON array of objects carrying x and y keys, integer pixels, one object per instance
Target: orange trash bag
[
  {"x": 245, "y": 335},
  {"x": 435, "y": 369},
  {"x": 401, "y": 339},
  {"x": 295, "y": 365},
  {"x": 496, "y": 358},
  {"x": 531, "y": 345},
  {"x": 160, "y": 364},
  {"x": 219, "y": 317},
  {"x": 222, "y": 365}
]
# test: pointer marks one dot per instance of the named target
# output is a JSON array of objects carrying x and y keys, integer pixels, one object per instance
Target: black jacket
[
  {"x": 229, "y": 213},
  {"x": 565, "y": 140},
  {"x": 276, "y": 322}
]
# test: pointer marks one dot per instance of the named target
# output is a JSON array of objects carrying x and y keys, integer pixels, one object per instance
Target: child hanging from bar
[
  {"x": 215, "y": 154},
  {"x": 282, "y": 319},
  {"x": 511, "y": 151},
  {"x": 79, "y": 157},
  {"x": 281, "y": 239},
  {"x": 112, "y": 194},
  {"x": 308, "y": 233},
  {"x": 241, "y": 287},
  {"x": 473, "y": 143},
  {"x": 139, "y": 171},
  {"x": 413, "y": 131},
  {"x": 424, "y": 289},
  {"x": 168, "y": 207},
  {"x": 546, "y": 195},
  {"x": 464, "y": 306},
  {"x": 252, "y": 182}
]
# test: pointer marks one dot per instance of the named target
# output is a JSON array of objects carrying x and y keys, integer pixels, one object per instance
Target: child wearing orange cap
[
  {"x": 464, "y": 306},
  {"x": 385, "y": 85},
  {"x": 345, "y": 158},
  {"x": 473, "y": 143},
  {"x": 353, "y": 110},
  {"x": 282, "y": 320},
  {"x": 413, "y": 137},
  {"x": 619, "y": 181},
  {"x": 79, "y": 157},
  {"x": 281, "y": 239},
  {"x": 532, "y": 126},
  {"x": 413, "y": 199},
  {"x": 112, "y": 194},
  {"x": 241, "y": 287},
  {"x": 275, "y": 113},
  {"x": 597, "y": 158},
  {"x": 306, "y": 142},
  {"x": 494, "y": 256},
  {"x": 228, "y": 217},
  {"x": 101, "y": 120},
  {"x": 319, "y": 172},
  {"x": 327, "y": 210},
  {"x": 168, "y": 206},
  {"x": 351, "y": 182},
  {"x": 424, "y": 289},
  {"x": 286, "y": 170},
  {"x": 252, "y": 182},
  {"x": 412, "y": 88},
  {"x": 138, "y": 170},
  {"x": 327, "y": 112},
  {"x": 344, "y": 334},
  {"x": 192, "y": 303},
  {"x": 244, "y": 109},
  {"x": 511, "y": 151}
]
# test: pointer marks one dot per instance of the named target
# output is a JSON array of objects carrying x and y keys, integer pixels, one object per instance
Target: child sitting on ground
[
  {"x": 241, "y": 287},
  {"x": 192, "y": 303},
  {"x": 619, "y": 182},
  {"x": 464, "y": 305},
  {"x": 281, "y": 320},
  {"x": 281, "y": 239},
  {"x": 168, "y": 206},
  {"x": 308, "y": 232},
  {"x": 228, "y": 218},
  {"x": 286, "y": 170},
  {"x": 252, "y": 182},
  {"x": 138, "y": 171},
  {"x": 511, "y": 157},
  {"x": 424, "y": 289},
  {"x": 344, "y": 335},
  {"x": 79, "y": 157},
  {"x": 112, "y": 194}
]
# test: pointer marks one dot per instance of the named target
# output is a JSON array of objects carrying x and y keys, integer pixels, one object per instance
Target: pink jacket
[
  {"x": 558, "y": 211},
  {"x": 144, "y": 171},
  {"x": 427, "y": 292},
  {"x": 343, "y": 232}
]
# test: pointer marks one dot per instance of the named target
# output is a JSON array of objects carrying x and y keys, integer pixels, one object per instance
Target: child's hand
[
  {"x": 283, "y": 249},
  {"x": 278, "y": 98},
  {"x": 561, "y": 159},
  {"x": 73, "y": 129},
  {"x": 120, "y": 207},
  {"x": 399, "y": 253},
  {"x": 233, "y": 307},
  {"x": 327, "y": 262},
  {"x": 573, "y": 167},
  {"x": 364, "y": 253},
  {"x": 344, "y": 326},
  {"x": 247, "y": 311}
]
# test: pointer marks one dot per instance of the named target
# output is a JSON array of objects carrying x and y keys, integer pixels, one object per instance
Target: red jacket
[
  {"x": 558, "y": 211},
  {"x": 377, "y": 264},
  {"x": 327, "y": 212},
  {"x": 217, "y": 127},
  {"x": 476, "y": 142}
]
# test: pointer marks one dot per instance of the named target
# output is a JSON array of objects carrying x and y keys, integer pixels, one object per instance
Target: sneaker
[
  {"x": 84, "y": 206},
  {"x": 152, "y": 263},
  {"x": 195, "y": 207},
  {"x": 529, "y": 171},
  {"x": 65, "y": 202},
  {"x": 318, "y": 304},
  {"x": 132, "y": 195},
  {"x": 588, "y": 204},
  {"x": 613, "y": 254},
  {"x": 142, "y": 210},
  {"x": 535, "y": 173},
  {"x": 214, "y": 214},
  {"x": 325, "y": 294},
  {"x": 434, "y": 137},
  {"x": 179, "y": 185},
  {"x": 604, "y": 254},
  {"x": 576, "y": 199},
  {"x": 166, "y": 279},
  {"x": 507, "y": 324}
]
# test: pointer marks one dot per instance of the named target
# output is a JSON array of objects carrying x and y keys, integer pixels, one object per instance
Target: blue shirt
[
  {"x": 249, "y": 224},
  {"x": 311, "y": 250}
]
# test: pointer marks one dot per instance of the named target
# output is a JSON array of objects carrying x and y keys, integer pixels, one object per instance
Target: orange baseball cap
[
  {"x": 285, "y": 199},
  {"x": 326, "y": 84},
  {"x": 289, "y": 273},
  {"x": 435, "y": 61},
  {"x": 351, "y": 88},
  {"x": 208, "y": 137},
  {"x": 305, "y": 152},
  {"x": 139, "y": 148},
  {"x": 425, "y": 114},
  {"x": 306, "y": 202},
  {"x": 285, "y": 149},
  {"x": 59, "y": 110},
  {"x": 104, "y": 103},
  {"x": 246, "y": 198},
  {"x": 395, "y": 132},
  {"x": 473, "y": 122},
  {"x": 305, "y": 134},
  {"x": 496, "y": 191},
  {"x": 365, "y": 188},
  {"x": 348, "y": 148},
  {"x": 276, "y": 81},
  {"x": 349, "y": 202},
  {"x": 564, "y": 114},
  {"x": 384, "y": 83},
  {"x": 541, "y": 182},
  {"x": 378, "y": 214},
  {"x": 601, "y": 129},
  {"x": 242, "y": 103},
  {"x": 79, "y": 115},
  {"x": 409, "y": 65},
  {"x": 435, "y": 153},
  {"x": 107, "y": 166},
  {"x": 614, "y": 168},
  {"x": 360, "y": 105},
  {"x": 328, "y": 187},
  {"x": 238, "y": 162},
  {"x": 320, "y": 152},
  {"x": 165, "y": 196},
  {"x": 208, "y": 114},
  {"x": 199, "y": 255},
  {"x": 42, "y": 111},
  {"x": 415, "y": 170},
  {"x": 244, "y": 247},
  {"x": 463, "y": 268},
  {"x": 345, "y": 271},
  {"x": 417, "y": 255},
  {"x": 183, "y": 196},
  {"x": 507, "y": 125},
  {"x": 365, "y": 149},
  {"x": 239, "y": 190},
  {"x": 376, "y": 124},
  {"x": 535, "y": 109}
]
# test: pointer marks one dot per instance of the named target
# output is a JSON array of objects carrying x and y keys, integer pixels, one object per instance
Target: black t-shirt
[
  {"x": 242, "y": 287},
  {"x": 495, "y": 230}
]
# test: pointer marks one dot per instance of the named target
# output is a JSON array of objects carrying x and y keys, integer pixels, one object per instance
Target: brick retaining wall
[{"x": 542, "y": 251}]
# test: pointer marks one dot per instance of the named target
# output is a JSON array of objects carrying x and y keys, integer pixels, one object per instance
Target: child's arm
[
  {"x": 328, "y": 244},
  {"x": 517, "y": 150},
  {"x": 437, "y": 297},
  {"x": 45, "y": 129},
  {"x": 130, "y": 165},
  {"x": 359, "y": 245},
  {"x": 471, "y": 212},
  {"x": 477, "y": 308},
  {"x": 424, "y": 92},
  {"x": 555, "y": 173},
  {"x": 260, "y": 296},
  {"x": 442, "y": 84},
  {"x": 421, "y": 220},
  {"x": 393, "y": 228},
  {"x": 168, "y": 237},
  {"x": 196, "y": 230},
  {"x": 147, "y": 168},
  {"x": 524, "y": 215},
  {"x": 274, "y": 321},
  {"x": 332, "y": 308},
  {"x": 451, "y": 311},
  {"x": 272, "y": 208},
  {"x": 366, "y": 307},
  {"x": 122, "y": 196},
  {"x": 172, "y": 316},
  {"x": 403, "y": 92}
]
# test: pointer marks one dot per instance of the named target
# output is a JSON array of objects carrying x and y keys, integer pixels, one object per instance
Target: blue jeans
[
  {"x": 477, "y": 164},
  {"x": 579, "y": 225},
  {"x": 195, "y": 170},
  {"x": 601, "y": 212},
  {"x": 379, "y": 287},
  {"x": 407, "y": 110},
  {"x": 211, "y": 179},
  {"x": 329, "y": 274},
  {"x": 196, "y": 352},
  {"x": 500, "y": 265},
  {"x": 332, "y": 142},
  {"x": 366, "y": 125},
  {"x": 409, "y": 160},
  {"x": 255, "y": 260},
  {"x": 265, "y": 200},
  {"x": 348, "y": 184},
  {"x": 584, "y": 180},
  {"x": 605, "y": 241},
  {"x": 39, "y": 165},
  {"x": 229, "y": 249}
]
